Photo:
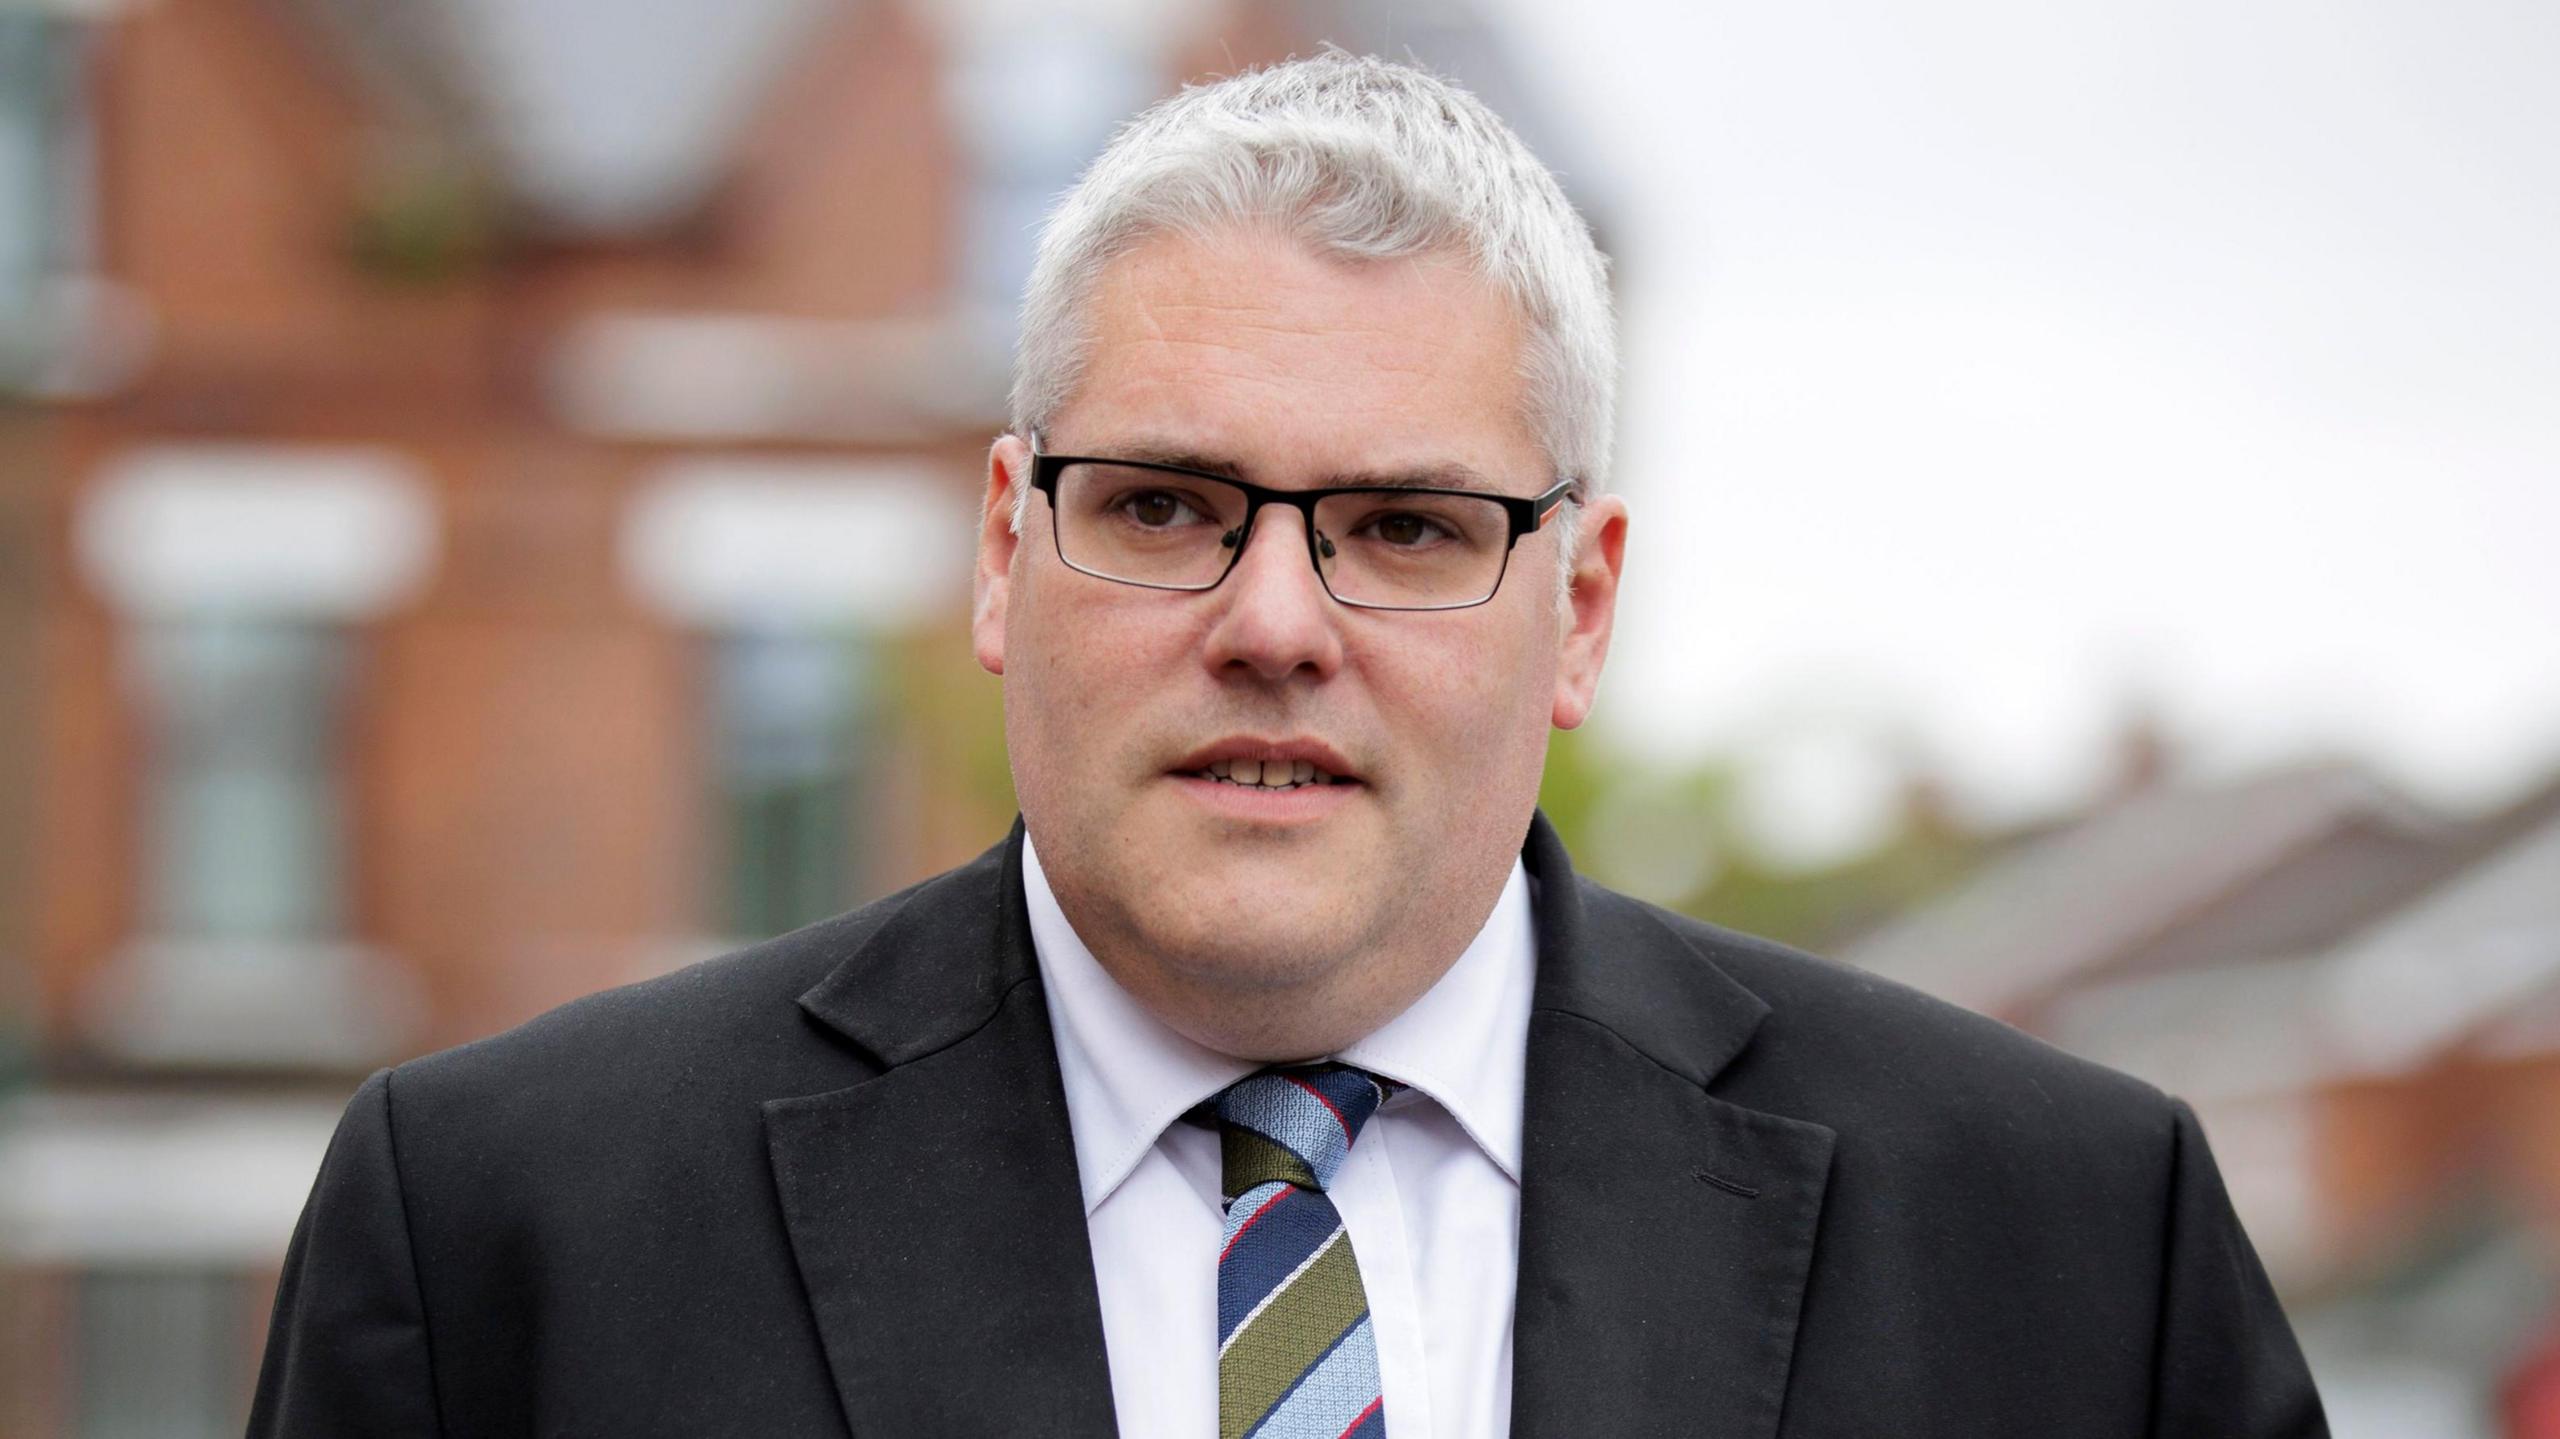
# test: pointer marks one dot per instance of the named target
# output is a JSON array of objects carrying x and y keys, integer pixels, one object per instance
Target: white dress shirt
[{"x": 1430, "y": 1194}]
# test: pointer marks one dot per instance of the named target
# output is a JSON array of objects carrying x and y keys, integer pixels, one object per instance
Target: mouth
[
  {"x": 1267, "y": 774},
  {"x": 1268, "y": 765}
]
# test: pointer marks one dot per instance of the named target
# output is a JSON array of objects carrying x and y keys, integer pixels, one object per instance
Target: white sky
[{"x": 1993, "y": 365}]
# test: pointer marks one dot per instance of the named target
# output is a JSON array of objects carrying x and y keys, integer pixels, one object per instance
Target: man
[{"x": 1278, "y": 1077}]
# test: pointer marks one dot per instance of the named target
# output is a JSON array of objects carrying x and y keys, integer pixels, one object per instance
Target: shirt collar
[
  {"x": 1127, "y": 1074},
  {"x": 1465, "y": 1042}
]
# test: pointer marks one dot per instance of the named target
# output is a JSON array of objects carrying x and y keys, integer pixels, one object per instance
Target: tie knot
[{"x": 1294, "y": 1125}]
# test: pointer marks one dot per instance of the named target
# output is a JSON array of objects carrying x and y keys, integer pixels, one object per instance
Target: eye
[
  {"x": 1155, "y": 509},
  {"x": 1404, "y": 529}
]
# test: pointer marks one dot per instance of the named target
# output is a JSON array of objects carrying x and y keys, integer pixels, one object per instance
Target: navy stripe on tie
[
  {"x": 1350, "y": 1095},
  {"x": 1285, "y": 1237}
]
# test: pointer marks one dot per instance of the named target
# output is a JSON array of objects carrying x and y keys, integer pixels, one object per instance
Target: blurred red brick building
[
  {"x": 369, "y": 703},
  {"x": 509, "y": 721}
]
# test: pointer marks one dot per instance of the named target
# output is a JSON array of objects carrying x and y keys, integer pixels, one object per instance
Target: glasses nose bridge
[{"x": 1303, "y": 506}]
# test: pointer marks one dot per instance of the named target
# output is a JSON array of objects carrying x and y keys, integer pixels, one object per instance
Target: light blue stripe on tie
[
  {"x": 1332, "y": 1393},
  {"x": 1292, "y": 1118},
  {"x": 1242, "y": 1209}
]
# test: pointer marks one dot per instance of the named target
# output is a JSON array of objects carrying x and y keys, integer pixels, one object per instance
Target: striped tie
[{"x": 1296, "y": 1359}]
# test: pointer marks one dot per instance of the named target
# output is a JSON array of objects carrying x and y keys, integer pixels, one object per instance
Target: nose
[{"x": 1274, "y": 617}]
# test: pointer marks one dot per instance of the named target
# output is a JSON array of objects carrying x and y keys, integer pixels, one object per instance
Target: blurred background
[{"x": 485, "y": 491}]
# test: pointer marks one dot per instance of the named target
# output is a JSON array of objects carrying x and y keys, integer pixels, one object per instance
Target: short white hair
[{"x": 1353, "y": 156}]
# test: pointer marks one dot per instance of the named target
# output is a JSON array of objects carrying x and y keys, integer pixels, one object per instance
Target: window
[
  {"x": 243, "y": 832},
  {"x": 139, "y": 1237},
  {"x": 1036, "y": 96},
  {"x": 792, "y": 723},
  {"x": 794, "y": 573},
  {"x": 243, "y": 575},
  {"x": 37, "y": 130}
]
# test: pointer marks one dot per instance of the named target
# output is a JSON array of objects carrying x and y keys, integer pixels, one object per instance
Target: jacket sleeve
[
  {"x": 347, "y": 1351},
  {"x": 2225, "y": 1360}
]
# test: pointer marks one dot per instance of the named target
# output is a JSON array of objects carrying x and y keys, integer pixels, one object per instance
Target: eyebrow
[{"x": 1442, "y": 475}]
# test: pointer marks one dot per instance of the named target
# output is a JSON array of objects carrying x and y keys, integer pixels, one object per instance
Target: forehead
[{"x": 1255, "y": 347}]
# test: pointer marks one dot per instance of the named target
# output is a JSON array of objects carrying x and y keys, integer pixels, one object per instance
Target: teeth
[{"x": 1269, "y": 773}]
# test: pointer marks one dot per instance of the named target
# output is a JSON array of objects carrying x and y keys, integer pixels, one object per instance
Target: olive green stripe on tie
[
  {"x": 1292, "y": 1332},
  {"x": 1251, "y": 1158}
]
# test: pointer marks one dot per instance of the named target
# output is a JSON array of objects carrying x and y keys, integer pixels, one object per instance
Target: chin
[{"x": 1240, "y": 950}]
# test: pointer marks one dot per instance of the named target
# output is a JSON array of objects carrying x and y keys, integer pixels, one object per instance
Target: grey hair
[{"x": 1358, "y": 157}]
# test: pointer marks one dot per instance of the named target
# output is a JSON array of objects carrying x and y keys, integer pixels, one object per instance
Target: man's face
[{"x": 1263, "y": 921}]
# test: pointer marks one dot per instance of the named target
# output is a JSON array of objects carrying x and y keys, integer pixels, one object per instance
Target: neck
[{"x": 1273, "y": 1024}]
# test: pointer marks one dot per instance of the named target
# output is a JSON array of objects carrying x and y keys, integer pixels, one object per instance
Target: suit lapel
[
  {"x": 1665, "y": 1234},
  {"x": 934, "y": 1210}
]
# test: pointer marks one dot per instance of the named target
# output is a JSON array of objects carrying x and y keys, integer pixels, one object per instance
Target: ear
[
  {"x": 1008, "y": 470},
  {"x": 1591, "y": 608}
]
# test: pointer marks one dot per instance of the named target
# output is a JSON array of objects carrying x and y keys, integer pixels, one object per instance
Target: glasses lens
[
  {"x": 1399, "y": 549},
  {"x": 1146, "y": 526}
]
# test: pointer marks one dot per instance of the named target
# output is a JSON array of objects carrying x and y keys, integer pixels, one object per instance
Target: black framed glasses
[{"x": 1378, "y": 547}]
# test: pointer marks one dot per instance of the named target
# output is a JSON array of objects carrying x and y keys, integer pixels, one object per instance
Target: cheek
[
  {"x": 1079, "y": 666},
  {"x": 1046, "y": 707},
  {"x": 1479, "y": 700}
]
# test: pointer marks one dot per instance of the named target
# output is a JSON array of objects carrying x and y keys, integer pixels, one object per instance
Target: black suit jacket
[{"x": 825, "y": 1186}]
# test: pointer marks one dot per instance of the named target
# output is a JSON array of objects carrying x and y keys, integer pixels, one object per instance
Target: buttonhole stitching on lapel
[{"x": 1727, "y": 1185}]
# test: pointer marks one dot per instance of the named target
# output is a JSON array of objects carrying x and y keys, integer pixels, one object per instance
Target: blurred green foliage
[
  {"x": 425, "y": 218},
  {"x": 951, "y": 715},
  {"x": 1610, "y": 807}
]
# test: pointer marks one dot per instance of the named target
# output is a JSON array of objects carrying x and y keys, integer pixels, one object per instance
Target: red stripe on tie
[
  {"x": 1364, "y": 1416},
  {"x": 1320, "y": 1099},
  {"x": 1255, "y": 1217}
]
